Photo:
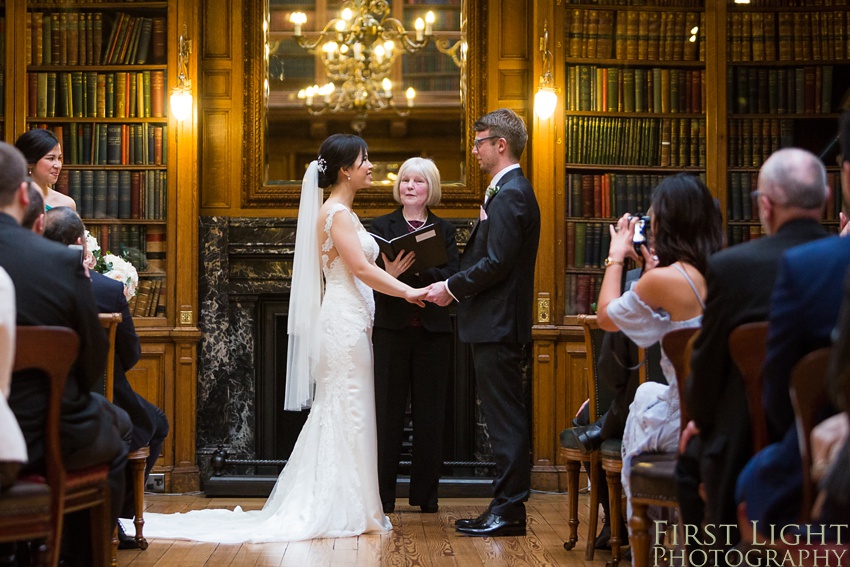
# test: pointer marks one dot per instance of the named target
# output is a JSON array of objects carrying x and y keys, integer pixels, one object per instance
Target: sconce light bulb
[
  {"x": 410, "y": 94},
  {"x": 545, "y": 102},
  {"x": 181, "y": 103},
  {"x": 347, "y": 14}
]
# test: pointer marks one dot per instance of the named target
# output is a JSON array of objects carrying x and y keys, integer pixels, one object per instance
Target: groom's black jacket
[{"x": 495, "y": 285}]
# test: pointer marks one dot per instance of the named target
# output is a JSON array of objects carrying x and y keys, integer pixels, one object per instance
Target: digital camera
[{"x": 641, "y": 226}]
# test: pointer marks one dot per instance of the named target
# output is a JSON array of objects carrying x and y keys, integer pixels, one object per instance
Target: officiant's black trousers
[{"x": 498, "y": 378}]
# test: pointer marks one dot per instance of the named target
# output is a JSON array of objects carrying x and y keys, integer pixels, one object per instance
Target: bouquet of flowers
[{"x": 111, "y": 266}]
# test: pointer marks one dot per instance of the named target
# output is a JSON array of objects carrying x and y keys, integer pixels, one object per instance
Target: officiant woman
[{"x": 412, "y": 345}]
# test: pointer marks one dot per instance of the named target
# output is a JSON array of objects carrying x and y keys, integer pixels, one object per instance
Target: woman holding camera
[{"x": 684, "y": 230}]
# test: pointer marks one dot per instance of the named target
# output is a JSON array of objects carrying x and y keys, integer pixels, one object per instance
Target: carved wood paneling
[
  {"x": 218, "y": 39},
  {"x": 215, "y": 148},
  {"x": 216, "y": 84},
  {"x": 513, "y": 85}
]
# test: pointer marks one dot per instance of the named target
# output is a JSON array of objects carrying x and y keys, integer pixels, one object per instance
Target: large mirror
[{"x": 282, "y": 136}]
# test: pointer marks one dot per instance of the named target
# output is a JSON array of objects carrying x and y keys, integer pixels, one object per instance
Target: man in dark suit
[
  {"x": 803, "y": 312},
  {"x": 495, "y": 288},
  {"x": 791, "y": 194},
  {"x": 150, "y": 425},
  {"x": 52, "y": 288}
]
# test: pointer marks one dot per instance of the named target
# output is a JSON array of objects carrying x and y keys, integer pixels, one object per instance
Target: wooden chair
[
  {"x": 611, "y": 457},
  {"x": 653, "y": 481},
  {"x": 748, "y": 347},
  {"x": 137, "y": 459},
  {"x": 25, "y": 515},
  {"x": 572, "y": 454},
  {"x": 70, "y": 491},
  {"x": 809, "y": 397}
]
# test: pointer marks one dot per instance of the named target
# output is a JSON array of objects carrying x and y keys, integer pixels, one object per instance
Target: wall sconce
[
  {"x": 181, "y": 95},
  {"x": 546, "y": 99}
]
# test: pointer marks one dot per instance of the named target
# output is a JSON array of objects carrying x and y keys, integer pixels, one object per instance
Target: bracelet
[{"x": 609, "y": 261}]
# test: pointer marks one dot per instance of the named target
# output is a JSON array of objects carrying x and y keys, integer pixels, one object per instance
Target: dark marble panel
[{"x": 245, "y": 262}]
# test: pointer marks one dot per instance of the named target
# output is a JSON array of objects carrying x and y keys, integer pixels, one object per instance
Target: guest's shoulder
[{"x": 833, "y": 248}]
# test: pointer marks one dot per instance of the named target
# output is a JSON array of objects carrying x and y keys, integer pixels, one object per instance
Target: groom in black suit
[{"x": 495, "y": 289}]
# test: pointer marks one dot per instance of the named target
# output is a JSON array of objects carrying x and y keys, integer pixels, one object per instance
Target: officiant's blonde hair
[{"x": 428, "y": 169}]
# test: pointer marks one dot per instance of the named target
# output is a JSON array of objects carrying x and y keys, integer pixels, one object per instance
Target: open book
[{"x": 427, "y": 242}]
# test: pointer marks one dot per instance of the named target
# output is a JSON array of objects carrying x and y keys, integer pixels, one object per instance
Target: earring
[
  {"x": 29, "y": 172},
  {"x": 348, "y": 176}
]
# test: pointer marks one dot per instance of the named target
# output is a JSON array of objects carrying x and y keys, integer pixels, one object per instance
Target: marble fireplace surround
[{"x": 245, "y": 272}]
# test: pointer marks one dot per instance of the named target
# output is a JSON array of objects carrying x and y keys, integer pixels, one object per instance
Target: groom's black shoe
[
  {"x": 470, "y": 522},
  {"x": 586, "y": 437},
  {"x": 495, "y": 526}
]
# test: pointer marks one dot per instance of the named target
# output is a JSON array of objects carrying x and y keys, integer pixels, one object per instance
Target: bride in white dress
[{"x": 329, "y": 487}]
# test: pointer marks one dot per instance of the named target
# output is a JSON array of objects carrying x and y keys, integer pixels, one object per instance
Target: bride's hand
[
  {"x": 400, "y": 265},
  {"x": 416, "y": 295}
]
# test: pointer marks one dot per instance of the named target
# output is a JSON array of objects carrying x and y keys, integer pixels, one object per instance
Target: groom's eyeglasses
[{"x": 478, "y": 141}]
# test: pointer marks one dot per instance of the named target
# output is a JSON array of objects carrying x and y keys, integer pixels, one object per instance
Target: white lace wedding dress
[{"x": 329, "y": 487}]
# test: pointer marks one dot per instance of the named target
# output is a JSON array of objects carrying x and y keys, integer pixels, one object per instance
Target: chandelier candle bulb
[
  {"x": 388, "y": 87},
  {"x": 429, "y": 23},
  {"x": 419, "y": 24},
  {"x": 298, "y": 19},
  {"x": 410, "y": 94}
]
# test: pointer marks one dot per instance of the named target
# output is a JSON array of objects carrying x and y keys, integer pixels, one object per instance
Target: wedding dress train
[{"x": 329, "y": 487}]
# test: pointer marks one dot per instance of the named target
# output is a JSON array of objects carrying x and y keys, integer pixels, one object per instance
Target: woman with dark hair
[
  {"x": 43, "y": 153},
  {"x": 329, "y": 486},
  {"x": 413, "y": 345},
  {"x": 686, "y": 228}
]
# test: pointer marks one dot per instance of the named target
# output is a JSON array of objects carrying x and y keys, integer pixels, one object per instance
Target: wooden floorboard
[{"x": 417, "y": 540}]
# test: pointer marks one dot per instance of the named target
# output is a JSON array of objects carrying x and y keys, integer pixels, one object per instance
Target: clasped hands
[{"x": 435, "y": 293}]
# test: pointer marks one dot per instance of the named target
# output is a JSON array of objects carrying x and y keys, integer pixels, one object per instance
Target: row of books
[
  {"x": 788, "y": 36},
  {"x": 111, "y": 144},
  {"x": 77, "y": 38},
  {"x": 751, "y": 141},
  {"x": 652, "y": 142},
  {"x": 737, "y": 234},
  {"x": 581, "y": 293},
  {"x": 612, "y": 89},
  {"x": 742, "y": 206},
  {"x": 793, "y": 90},
  {"x": 149, "y": 300},
  {"x": 76, "y": 94},
  {"x": 608, "y": 195},
  {"x": 790, "y": 3},
  {"x": 635, "y": 35},
  {"x": 587, "y": 244},
  {"x": 143, "y": 246},
  {"x": 113, "y": 194}
]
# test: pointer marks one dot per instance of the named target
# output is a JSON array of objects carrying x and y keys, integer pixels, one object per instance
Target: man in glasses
[{"x": 494, "y": 289}]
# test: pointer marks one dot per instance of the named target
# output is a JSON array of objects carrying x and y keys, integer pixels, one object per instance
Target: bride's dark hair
[{"x": 337, "y": 151}]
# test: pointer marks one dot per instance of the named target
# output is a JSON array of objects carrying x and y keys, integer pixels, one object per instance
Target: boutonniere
[{"x": 492, "y": 191}]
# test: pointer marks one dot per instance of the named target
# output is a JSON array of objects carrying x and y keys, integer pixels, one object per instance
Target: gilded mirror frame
[{"x": 258, "y": 192}]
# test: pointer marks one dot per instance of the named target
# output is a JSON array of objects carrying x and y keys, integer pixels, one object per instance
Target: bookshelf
[
  {"x": 97, "y": 73},
  {"x": 787, "y": 75},
  {"x": 635, "y": 110},
  {"x": 97, "y": 79}
]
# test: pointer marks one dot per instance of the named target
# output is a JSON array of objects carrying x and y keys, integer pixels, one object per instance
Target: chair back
[
  {"x": 30, "y": 345},
  {"x": 748, "y": 347},
  {"x": 809, "y": 397},
  {"x": 593, "y": 336},
  {"x": 110, "y": 321},
  {"x": 677, "y": 345},
  {"x": 650, "y": 369}
]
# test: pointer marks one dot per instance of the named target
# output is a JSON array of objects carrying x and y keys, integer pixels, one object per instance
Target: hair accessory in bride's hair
[{"x": 322, "y": 164}]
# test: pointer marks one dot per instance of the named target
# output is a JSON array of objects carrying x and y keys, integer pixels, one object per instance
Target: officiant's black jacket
[
  {"x": 395, "y": 312},
  {"x": 495, "y": 286}
]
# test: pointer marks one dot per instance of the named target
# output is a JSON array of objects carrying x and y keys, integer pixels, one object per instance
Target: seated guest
[
  {"x": 150, "y": 426},
  {"x": 34, "y": 217},
  {"x": 803, "y": 312},
  {"x": 43, "y": 152},
  {"x": 52, "y": 289},
  {"x": 13, "y": 448},
  {"x": 686, "y": 228},
  {"x": 791, "y": 195}
]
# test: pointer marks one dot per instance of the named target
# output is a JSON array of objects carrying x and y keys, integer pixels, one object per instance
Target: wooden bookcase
[
  {"x": 65, "y": 61},
  {"x": 709, "y": 87}
]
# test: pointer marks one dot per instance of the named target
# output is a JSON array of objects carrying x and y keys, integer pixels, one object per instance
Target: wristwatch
[{"x": 609, "y": 261}]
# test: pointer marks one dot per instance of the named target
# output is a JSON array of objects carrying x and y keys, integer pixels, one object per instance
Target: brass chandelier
[{"x": 358, "y": 49}]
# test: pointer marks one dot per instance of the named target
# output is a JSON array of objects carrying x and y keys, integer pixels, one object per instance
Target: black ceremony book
[{"x": 427, "y": 242}]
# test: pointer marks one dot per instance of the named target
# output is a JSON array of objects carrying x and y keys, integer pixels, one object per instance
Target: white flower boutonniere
[{"x": 492, "y": 191}]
